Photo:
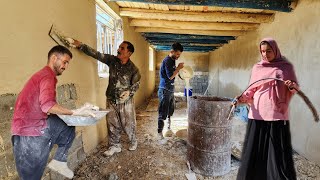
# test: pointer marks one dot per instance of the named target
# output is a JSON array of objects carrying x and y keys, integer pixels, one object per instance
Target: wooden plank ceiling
[{"x": 199, "y": 25}]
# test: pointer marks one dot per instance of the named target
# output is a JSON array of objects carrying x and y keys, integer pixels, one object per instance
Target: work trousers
[
  {"x": 122, "y": 117},
  {"x": 31, "y": 152}
]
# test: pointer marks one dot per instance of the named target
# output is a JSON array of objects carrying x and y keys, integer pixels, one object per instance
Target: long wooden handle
[{"x": 310, "y": 105}]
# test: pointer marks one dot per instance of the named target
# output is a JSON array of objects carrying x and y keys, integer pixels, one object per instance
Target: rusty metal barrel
[{"x": 209, "y": 134}]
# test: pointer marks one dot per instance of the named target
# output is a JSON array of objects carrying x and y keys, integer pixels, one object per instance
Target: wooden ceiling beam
[
  {"x": 187, "y": 44},
  {"x": 195, "y": 41},
  {"x": 196, "y": 16},
  {"x": 194, "y": 25},
  {"x": 183, "y": 31},
  {"x": 277, "y": 5},
  {"x": 184, "y": 36},
  {"x": 207, "y": 43}
]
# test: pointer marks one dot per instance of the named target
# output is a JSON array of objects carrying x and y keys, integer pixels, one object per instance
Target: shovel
[{"x": 190, "y": 175}]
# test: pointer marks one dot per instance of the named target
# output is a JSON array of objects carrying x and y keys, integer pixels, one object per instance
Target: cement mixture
[{"x": 154, "y": 161}]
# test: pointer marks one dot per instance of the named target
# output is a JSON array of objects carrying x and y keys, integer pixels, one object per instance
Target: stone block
[
  {"x": 55, "y": 176},
  {"x": 3, "y": 167},
  {"x": 77, "y": 143},
  {"x": 60, "y": 94},
  {"x": 76, "y": 157},
  {"x": 66, "y": 92},
  {"x": 70, "y": 104},
  {"x": 81, "y": 154},
  {"x": 7, "y": 165},
  {"x": 5, "y": 133},
  {"x": 73, "y": 159},
  {"x": 7, "y": 102},
  {"x": 73, "y": 92}
]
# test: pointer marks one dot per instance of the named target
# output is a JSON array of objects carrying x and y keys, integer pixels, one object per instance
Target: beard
[{"x": 57, "y": 70}]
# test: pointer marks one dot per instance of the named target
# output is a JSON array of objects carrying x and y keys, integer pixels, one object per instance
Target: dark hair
[
  {"x": 60, "y": 50},
  {"x": 130, "y": 46},
  {"x": 177, "y": 47}
]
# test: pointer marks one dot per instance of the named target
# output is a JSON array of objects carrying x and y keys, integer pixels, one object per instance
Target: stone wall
[
  {"x": 198, "y": 62},
  {"x": 67, "y": 97},
  {"x": 198, "y": 83}
]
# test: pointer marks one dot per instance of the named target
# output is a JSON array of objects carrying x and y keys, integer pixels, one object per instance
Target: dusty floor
[{"x": 155, "y": 161}]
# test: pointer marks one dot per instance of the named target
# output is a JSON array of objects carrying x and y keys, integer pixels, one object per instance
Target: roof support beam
[
  {"x": 187, "y": 44},
  {"x": 194, "y": 25},
  {"x": 184, "y": 36},
  {"x": 196, "y": 16},
  {"x": 195, "y": 41},
  {"x": 277, "y": 5},
  {"x": 202, "y": 49},
  {"x": 190, "y": 31}
]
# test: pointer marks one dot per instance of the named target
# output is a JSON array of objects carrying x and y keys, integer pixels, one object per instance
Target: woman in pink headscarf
[{"x": 267, "y": 151}]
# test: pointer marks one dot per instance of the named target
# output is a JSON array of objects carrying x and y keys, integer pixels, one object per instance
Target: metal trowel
[{"x": 59, "y": 38}]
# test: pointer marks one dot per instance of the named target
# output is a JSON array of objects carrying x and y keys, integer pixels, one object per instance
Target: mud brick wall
[{"x": 66, "y": 96}]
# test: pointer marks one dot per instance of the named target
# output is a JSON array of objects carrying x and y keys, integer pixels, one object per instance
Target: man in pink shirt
[{"x": 35, "y": 125}]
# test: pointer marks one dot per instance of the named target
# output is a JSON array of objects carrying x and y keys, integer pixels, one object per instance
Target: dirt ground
[{"x": 153, "y": 160}]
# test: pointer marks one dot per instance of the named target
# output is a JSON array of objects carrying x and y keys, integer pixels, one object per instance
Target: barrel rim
[{"x": 210, "y": 98}]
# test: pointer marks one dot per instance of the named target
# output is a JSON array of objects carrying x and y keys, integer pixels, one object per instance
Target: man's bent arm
[
  {"x": 57, "y": 109},
  {"x": 174, "y": 74}
]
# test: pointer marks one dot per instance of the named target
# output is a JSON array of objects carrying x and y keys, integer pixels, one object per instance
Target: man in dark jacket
[{"x": 124, "y": 81}]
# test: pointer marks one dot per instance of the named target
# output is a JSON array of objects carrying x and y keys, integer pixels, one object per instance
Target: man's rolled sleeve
[{"x": 47, "y": 96}]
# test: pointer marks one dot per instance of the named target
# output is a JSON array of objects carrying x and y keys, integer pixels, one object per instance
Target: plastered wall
[
  {"x": 297, "y": 34},
  {"x": 25, "y": 43}
]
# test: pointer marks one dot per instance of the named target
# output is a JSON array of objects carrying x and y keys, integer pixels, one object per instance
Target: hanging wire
[{"x": 299, "y": 92}]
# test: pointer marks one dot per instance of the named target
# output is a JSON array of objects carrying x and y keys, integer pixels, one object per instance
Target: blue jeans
[
  {"x": 31, "y": 152},
  {"x": 166, "y": 107}
]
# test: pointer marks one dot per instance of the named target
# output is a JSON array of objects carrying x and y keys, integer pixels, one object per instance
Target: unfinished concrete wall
[
  {"x": 297, "y": 34},
  {"x": 200, "y": 65}
]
